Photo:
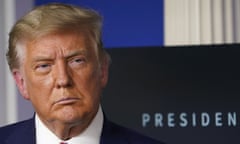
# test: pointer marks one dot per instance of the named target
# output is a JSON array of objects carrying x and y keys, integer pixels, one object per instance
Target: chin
[{"x": 72, "y": 115}]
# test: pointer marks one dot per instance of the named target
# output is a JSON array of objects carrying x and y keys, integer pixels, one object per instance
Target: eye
[
  {"x": 42, "y": 68},
  {"x": 77, "y": 61}
]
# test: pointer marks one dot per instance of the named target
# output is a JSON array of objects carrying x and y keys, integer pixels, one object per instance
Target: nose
[{"x": 63, "y": 76}]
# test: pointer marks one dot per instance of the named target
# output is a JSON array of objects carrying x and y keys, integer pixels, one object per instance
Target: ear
[
  {"x": 19, "y": 79},
  {"x": 105, "y": 70}
]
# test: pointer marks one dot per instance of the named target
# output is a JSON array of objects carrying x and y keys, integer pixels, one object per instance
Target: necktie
[{"x": 62, "y": 143}]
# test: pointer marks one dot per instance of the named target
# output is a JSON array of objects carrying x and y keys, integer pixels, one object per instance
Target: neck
[{"x": 67, "y": 130}]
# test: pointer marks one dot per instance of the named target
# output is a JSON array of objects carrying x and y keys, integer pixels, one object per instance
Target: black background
[{"x": 175, "y": 79}]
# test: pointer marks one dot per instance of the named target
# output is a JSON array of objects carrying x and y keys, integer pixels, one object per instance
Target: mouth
[{"x": 66, "y": 101}]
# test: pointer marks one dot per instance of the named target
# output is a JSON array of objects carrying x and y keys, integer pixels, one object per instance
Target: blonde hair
[{"x": 53, "y": 18}]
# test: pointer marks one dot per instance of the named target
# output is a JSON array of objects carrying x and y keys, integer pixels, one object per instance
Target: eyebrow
[
  {"x": 42, "y": 58},
  {"x": 68, "y": 55},
  {"x": 75, "y": 53}
]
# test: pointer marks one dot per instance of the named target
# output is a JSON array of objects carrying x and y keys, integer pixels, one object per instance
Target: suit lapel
[
  {"x": 111, "y": 134},
  {"x": 23, "y": 134}
]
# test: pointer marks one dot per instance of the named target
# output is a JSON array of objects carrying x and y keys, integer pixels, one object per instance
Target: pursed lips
[{"x": 66, "y": 100}]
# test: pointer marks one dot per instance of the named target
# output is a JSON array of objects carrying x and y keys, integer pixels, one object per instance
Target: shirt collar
[{"x": 91, "y": 135}]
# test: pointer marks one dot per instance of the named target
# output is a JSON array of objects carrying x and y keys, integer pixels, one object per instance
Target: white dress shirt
[{"x": 91, "y": 135}]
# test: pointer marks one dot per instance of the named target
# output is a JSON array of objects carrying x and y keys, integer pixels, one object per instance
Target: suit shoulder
[
  {"x": 132, "y": 136},
  {"x": 6, "y": 130},
  {"x": 18, "y": 124}
]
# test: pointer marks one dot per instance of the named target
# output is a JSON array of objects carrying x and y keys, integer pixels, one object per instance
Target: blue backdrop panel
[{"x": 126, "y": 22}]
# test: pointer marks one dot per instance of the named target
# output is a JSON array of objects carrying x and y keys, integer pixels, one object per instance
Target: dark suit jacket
[{"x": 24, "y": 133}]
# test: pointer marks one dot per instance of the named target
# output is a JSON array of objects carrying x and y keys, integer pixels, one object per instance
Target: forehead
[
  {"x": 62, "y": 42},
  {"x": 65, "y": 37}
]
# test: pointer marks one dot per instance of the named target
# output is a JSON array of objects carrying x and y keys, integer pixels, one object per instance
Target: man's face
[{"x": 62, "y": 77}]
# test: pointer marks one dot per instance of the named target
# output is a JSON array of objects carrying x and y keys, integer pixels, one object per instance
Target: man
[{"x": 59, "y": 64}]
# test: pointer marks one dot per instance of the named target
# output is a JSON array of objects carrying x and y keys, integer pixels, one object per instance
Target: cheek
[
  {"x": 39, "y": 88},
  {"x": 40, "y": 92},
  {"x": 89, "y": 83}
]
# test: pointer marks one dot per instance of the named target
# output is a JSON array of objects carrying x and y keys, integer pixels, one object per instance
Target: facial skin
[{"x": 63, "y": 78}]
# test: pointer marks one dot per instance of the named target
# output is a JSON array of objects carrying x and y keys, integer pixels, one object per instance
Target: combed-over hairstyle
[{"x": 53, "y": 18}]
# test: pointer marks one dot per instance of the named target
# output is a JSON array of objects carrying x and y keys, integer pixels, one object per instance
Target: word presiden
[{"x": 183, "y": 119}]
